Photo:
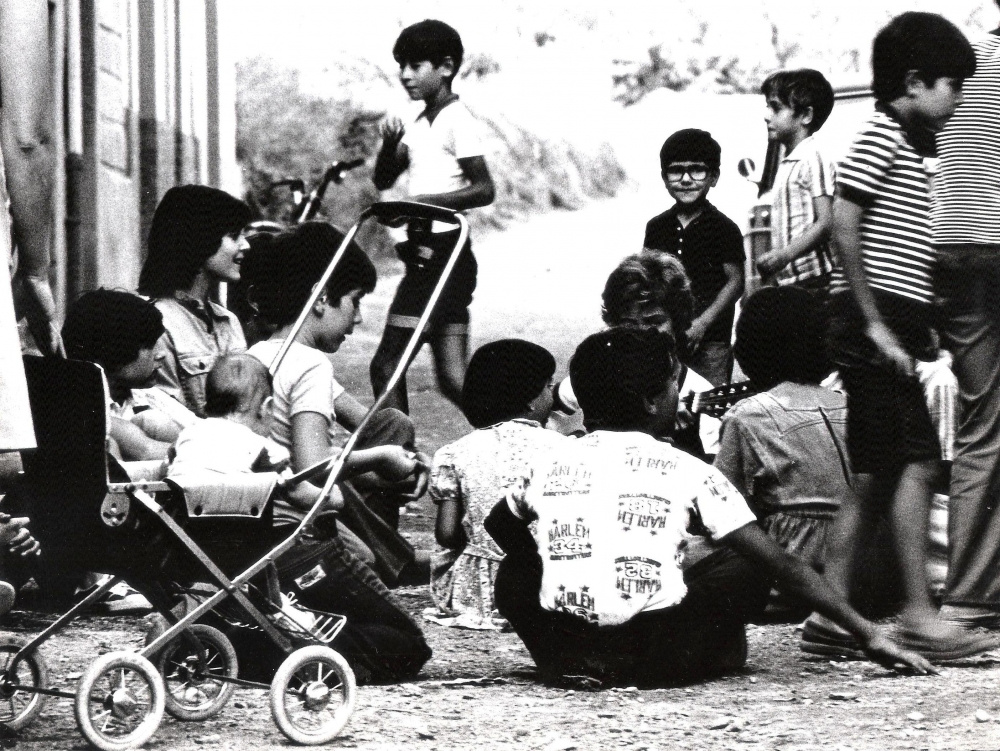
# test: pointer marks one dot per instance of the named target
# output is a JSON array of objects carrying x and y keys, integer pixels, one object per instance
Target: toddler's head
[
  {"x": 507, "y": 379},
  {"x": 239, "y": 388}
]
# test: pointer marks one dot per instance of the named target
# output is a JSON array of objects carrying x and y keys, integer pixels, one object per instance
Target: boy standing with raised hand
[
  {"x": 708, "y": 243},
  {"x": 443, "y": 153},
  {"x": 798, "y": 103},
  {"x": 882, "y": 313}
]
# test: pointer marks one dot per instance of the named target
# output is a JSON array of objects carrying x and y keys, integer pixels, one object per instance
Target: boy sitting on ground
[
  {"x": 380, "y": 641},
  {"x": 601, "y": 590},
  {"x": 507, "y": 397},
  {"x": 798, "y": 103},
  {"x": 309, "y": 402},
  {"x": 784, "y": 448},
  {"x": 709, "y": 244}
]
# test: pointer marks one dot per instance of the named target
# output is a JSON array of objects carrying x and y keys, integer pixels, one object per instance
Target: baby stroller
[{"x": 91, "y": 513}]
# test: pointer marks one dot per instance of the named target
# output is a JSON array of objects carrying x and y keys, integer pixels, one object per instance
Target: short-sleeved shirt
[
  {"x": 703, "y": 246},
  {"x": 435, "y": 148},
  {"x": 614, "y": 513},
  {"x": 223, "y": 446},
  {"x": 967, "y": 184},
  {"x": 196, "y": 335},
  {"x": 304, "y": 383},
  {"x": 786, "y": 447},
  {"x": 885, "y": 175},
  {"x": 803, "y": 176}
]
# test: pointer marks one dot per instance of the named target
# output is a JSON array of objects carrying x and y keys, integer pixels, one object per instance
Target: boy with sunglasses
[{"x": 708, "y": 244}]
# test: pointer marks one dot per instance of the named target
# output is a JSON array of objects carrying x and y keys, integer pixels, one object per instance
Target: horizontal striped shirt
[
  {"x": 967, "y": 186},
  {"x": 803, "y": 176},
  {"x": 884, "y": 174}
]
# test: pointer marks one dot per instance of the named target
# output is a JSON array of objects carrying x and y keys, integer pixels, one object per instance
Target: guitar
[{"x": 716, "y": 402}]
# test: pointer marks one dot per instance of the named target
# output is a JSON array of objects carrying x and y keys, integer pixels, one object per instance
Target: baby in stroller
[{"x": 380, "y": 641}]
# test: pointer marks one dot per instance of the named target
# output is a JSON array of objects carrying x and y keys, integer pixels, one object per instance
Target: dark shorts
[
  {"x": 888, "y": 424},
  {"x": 452, "y": 309}
]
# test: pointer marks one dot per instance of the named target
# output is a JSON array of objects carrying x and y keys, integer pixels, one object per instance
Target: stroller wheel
[
  {"x": 313, "y": 695},
  {"x": 194, "y": 691},
  {"x": 119, "y": 701},
  {"x": 18, "y": 708}
]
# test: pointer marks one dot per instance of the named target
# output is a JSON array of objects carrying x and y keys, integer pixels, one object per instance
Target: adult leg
[
  {"x": 712, "y": 361},
  {"x": 971, "y": 332},
  {"x": 450, "y": 344}
]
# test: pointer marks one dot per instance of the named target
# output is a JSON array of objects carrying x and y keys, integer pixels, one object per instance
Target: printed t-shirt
[{"x": 614, "y": 513}]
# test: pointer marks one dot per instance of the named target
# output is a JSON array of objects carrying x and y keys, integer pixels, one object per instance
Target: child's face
[
  {"x": 140, "y": 370},
  {"x": 339, "y": 319},
  {"x": 934, "y": 104},
  {"x": 689, "y": 182},
  {"x": 424, "y": 80},
  {"x": 663, "y": 406},
  {"x": 541, "y": 406},
  {"x": 224, "y": 264},
  {"x": 783, "y": 125}
]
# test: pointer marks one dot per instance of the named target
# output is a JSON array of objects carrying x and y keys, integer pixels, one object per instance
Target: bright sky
[{"x": 588, "y": 35}]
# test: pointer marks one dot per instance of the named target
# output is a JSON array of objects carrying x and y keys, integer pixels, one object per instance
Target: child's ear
[
  {"x": 913, "y": 83},
  {"x": 448, "y": 64},
  {"x": 319, "y": 307},
  {"x": 650, "y": 406},
  {"x": 266, "y": 408},
  {"x": 807, "y": 117},
  {"x": 713, "y": 177}
]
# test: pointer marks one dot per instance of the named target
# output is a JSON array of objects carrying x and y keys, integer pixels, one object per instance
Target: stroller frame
[{"x": 116, "y": 510}]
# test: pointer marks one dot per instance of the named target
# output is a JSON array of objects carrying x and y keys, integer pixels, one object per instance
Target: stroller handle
[{"x": 395, "y": 212}]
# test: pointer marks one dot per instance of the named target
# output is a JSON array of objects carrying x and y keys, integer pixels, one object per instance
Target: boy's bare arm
[
  {"x": 350, "y": 412},
  {"x": 752, "y": 542},
  {"x": 393, "y": 157},
  {"x": 304, "y": 495},
  {"x": 726, "y": 298},
  {"x": 479, "y": 192},
  {"x": 817, "y": 233},
  {"x": 847, "y": 243}
]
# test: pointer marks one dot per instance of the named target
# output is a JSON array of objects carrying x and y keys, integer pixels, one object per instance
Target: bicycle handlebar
[{"x": 394, "y": 212}]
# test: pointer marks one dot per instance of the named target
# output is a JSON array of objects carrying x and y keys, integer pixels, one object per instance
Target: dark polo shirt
[{"x": 709, "y": 241}]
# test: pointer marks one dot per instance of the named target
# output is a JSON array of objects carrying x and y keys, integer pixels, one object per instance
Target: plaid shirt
[{"x": 803, "y": 176}]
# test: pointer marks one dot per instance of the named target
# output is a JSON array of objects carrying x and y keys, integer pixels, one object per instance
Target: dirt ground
[{"x": 479, "y": 690}]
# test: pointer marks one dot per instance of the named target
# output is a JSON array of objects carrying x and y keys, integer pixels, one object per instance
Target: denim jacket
[
  {"x": 786, "y": 449},
  {"x": 196, "y": 336}
]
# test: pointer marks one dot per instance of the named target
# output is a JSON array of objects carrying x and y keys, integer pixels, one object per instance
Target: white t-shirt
[
  {"x": 615, "y": 511},
  {"x": 435, "y": 148},
  {"x": 304, "y": 383},
  {"x": 216, "y": 444}
]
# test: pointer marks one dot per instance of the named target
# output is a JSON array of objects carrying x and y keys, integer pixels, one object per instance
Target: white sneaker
[
  {"x": 121, "y": 598},
  {"x": 301, "y": 618}
]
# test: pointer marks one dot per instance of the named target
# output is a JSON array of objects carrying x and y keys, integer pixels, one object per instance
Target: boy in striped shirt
[
  {"x": 798, "y": 103},
  {"x": 881, "y": 317}
]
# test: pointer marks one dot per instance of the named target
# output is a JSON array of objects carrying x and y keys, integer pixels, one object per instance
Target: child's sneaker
[
  {"x": 289, "y": 610},
  {"x": 122, "y": 599}
]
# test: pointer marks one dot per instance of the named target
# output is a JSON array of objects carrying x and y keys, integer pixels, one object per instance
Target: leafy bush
[{"x": 283, "y": 131}]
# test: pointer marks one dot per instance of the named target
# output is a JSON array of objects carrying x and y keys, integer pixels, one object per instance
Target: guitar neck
[{"x": 715, "y": 402}]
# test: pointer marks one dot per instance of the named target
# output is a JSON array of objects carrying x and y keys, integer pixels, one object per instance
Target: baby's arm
[
  {"x": 479, "y": 192},
  {"x": 393, "y": 157},
  {"x": 133, "y": 442},
  {"x": 157, "y": 425}
]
